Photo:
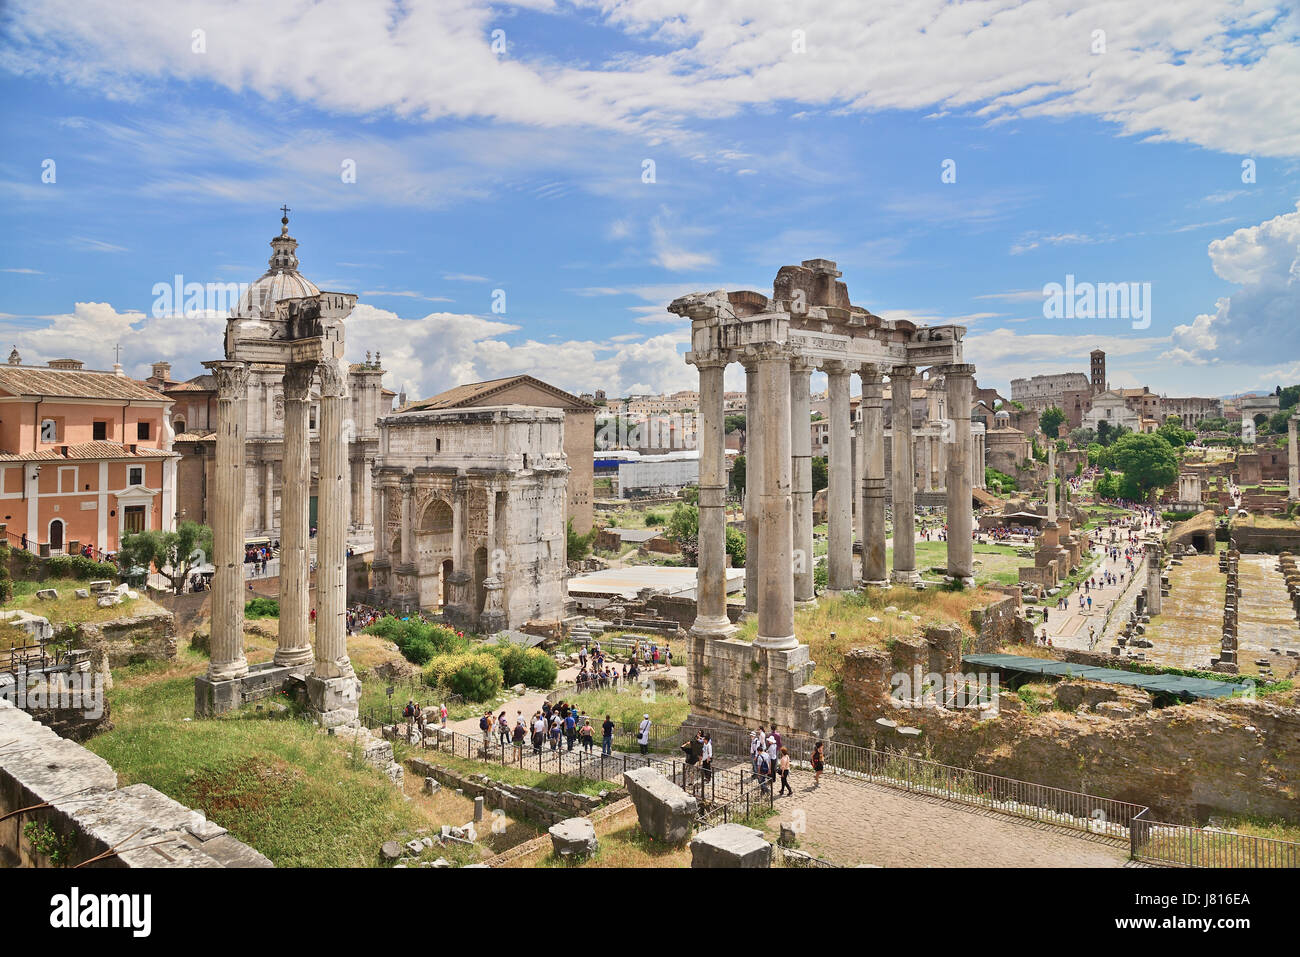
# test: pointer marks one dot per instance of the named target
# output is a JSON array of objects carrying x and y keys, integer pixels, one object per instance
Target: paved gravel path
[{"x": 851, "y": 823}]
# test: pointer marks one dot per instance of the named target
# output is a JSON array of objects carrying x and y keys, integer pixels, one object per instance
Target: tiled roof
[
  {"x": 72, "y": 384},
  {"x": 474, "y": 392},
  {"x": 88, "y": 450}
]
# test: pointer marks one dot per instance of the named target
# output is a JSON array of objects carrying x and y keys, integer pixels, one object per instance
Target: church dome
[{"x": 280, "y": 281}]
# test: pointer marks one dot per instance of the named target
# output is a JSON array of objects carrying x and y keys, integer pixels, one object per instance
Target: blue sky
[{"x": 778, "y": 132}]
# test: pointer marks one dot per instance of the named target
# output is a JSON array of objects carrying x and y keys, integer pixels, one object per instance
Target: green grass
[
  {"x": 277, "y": 783},
  {"x": 666, "y": 711},
  {"x": 510, "y": 774},
  {"x": 68, "y": 609},
  {"x": 999, "y": 564}
]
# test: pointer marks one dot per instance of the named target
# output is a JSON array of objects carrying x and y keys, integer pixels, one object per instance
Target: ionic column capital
[{"x": 231, "y": 377}]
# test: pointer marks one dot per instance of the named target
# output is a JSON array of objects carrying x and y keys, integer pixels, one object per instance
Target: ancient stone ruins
[
  {"x": 304, "y": 338},
  {"x": 808, "y": 323}
]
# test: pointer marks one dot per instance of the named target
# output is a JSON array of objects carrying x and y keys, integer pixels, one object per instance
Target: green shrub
[
  {"x": 262, "y": 608},
  {"x": 418, "y": 640},
  {"x": 654, "y": 518},
  {"x": 79, "y": 566},
  {"x": 1172, "y": 517},
  {"x": 475, "y": 676}
]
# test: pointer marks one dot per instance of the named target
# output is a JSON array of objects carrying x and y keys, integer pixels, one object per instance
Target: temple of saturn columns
[
  {"x": 304, "y": 336},
  {"x": 808, "y": 323}
]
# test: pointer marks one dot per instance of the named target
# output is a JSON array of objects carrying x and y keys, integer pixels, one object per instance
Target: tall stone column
[
  {"x": 1293, "y": 459},
  {"x": 801, "y": 465},
  {"x": 839, "y": 496},
  {"x": 1052, "y": 515},
  {"x": 227, "y": 659},
  {"x": 958, "y": 380},
  {"x": 775, "y": 505},
  {"x": 1154, "y": 596},
  {"x": 294, "y": 646},
  {"x": 408, "y": 520},
  {"x": 904, "y": 478},
  {"x": 333, "y": 687},
  {"x": 461, "y": 574},
  {"x": 711, "y": 567},
  {"x": 874, "y": 571},
  {"x": 380, "y": 531},
  {"x": 754, "y": 439}
]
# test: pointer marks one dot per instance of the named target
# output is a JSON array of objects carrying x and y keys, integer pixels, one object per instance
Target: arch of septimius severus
[
  {"x": 304, "y": 337},
  {"x": 808, "y": 323}
]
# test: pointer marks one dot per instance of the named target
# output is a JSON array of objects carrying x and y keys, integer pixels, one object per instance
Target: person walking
[
  {"x": 783, "y": 765},
  {"x": 706, "y": 758},
  {"x": 607, "y": 736},
  {"x": 588, "y": 732},
  {"x": 643, "y": 734},
  {"x": 503, "y": 730},
  {"x": 818, "y": 763},
  {"x": 442, "y": 711}
]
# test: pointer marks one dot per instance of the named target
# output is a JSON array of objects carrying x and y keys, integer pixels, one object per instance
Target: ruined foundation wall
[
  {"x": 87, "y": 813},
  {"x": 1187, "y": 762}
]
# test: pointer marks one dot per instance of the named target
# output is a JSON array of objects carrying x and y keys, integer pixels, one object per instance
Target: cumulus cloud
[
  {"x": 1217, "y": 79},
  {"x": 1263, "y": 316},
  {"x": 423, "y": 355}
]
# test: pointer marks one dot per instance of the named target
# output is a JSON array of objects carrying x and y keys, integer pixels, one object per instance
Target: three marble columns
[
  {"x": 332, "y": 680},
  {"x": 778, "y": 493}
]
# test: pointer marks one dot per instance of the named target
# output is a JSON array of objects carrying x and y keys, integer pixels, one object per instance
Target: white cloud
[
  {"x": 1262, "y": 317},
  {"x": 1218, "y": 79},
  {"x": 423, "y": 355}
]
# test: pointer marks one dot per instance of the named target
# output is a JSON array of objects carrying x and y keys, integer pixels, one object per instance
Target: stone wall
[
  {"x": 1186, "y": 762},
  {"x": 735, "y": 684},
  {"x": 148, "y": 636},
  {"x": 1251, "y": 540},
  {"x": 517, "y": 800},
  {"x": 87, "y": 813}
]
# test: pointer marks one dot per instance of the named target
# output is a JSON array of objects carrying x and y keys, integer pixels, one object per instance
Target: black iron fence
[{"x": 1183, "y": 846}]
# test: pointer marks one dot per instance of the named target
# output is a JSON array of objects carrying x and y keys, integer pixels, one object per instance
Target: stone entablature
[{"x": 471, "y": 514}]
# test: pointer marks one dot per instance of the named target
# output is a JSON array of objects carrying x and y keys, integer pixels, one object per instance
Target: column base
[
  {"x": 334, "y": 701},
  {"x": 230, "y": 671},
  {"x": 776, "y": 644},
  {"x": 712, "y": 628},
  {"x": 905, "y": 577},
  {"x": 875, "y": 583},
  {"x": 293, "y": 657},
  {"x": 805, "y": 602},
  {"x": 836, "y": 593}
]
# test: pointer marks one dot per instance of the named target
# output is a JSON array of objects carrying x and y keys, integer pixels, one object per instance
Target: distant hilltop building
[{"x": 1077, "y": 395}]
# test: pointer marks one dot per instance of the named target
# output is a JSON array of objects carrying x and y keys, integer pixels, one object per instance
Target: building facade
[
  {"x": 579, "y": 428},
  {"x": 85, "y": 457},
  {"x": 471, "y": 509}
]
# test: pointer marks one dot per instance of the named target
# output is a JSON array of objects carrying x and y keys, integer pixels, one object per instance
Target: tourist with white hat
[{"x": 643, "y": 734}]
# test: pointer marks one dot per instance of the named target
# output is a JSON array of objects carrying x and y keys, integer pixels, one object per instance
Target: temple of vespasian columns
[
  {"x": 808, "y": 323},
  {"x": 305, "y": 337}
]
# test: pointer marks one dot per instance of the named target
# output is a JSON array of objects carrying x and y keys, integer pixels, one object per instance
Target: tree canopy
[
  {"x": 1148, "y": 462},
  {"x": 1050, "y": 420},
  {"x": 171, "y": 554}
]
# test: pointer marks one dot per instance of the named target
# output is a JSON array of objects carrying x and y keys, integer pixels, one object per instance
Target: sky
[{"x": 523, "y": 187}]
